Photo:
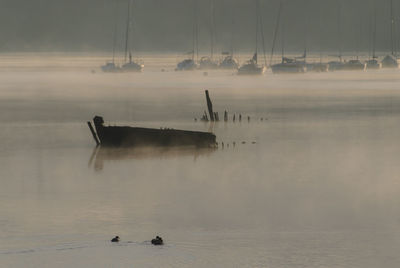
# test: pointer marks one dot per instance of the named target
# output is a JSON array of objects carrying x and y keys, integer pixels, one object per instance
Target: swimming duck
[
  {"x": 157, "y": 241},
  {"x": 115, "y": 239}
]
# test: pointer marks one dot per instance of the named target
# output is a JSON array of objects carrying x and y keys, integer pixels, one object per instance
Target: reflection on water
[
  {"x": 103, "y": 154},
  {"x": 319, "y": 188}
]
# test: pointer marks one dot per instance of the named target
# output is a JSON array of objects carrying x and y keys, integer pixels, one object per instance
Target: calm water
[{"x": 319, "y": 187}]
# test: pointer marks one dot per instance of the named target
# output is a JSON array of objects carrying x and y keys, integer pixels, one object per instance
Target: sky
[{"x": 167, "y": 25}]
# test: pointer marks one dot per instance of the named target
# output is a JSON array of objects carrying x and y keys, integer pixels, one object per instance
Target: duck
[
  {"x": 157, "y": 241},
  {"x": 115, "y": 239}
]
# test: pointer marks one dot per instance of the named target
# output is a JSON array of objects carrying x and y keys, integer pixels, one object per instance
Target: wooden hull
[{"x": 123, "y": 136}]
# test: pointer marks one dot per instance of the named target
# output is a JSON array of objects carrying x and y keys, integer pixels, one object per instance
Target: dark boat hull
[{"x": 123, "y": 136}]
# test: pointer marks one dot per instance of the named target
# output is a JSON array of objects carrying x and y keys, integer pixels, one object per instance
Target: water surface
[{"x": 314, "y": 185}]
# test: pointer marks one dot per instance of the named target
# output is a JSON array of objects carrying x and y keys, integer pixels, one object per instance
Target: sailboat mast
[
  {"x": 374, "y": 34},
  {"x": 232, "y": 32},
  {"x": 321, "y": 23},
  {"x": 127, "y": 29},
  {"x": 276, "y": 32},
  {"x": 305, "y": 33},
  {"x": 392, "y": 44},
  {"x": 115, "y": 31},
  {"x": 339, "y": 22},
  {"x": 195, "y": 31},
  {"x": 212, "y": 27},
  {"x": 263, "y": 40},
  {"x": 358, "y": 36},
  {"x": 257, "y": 20},
  {"x": 283, "y": 40}
]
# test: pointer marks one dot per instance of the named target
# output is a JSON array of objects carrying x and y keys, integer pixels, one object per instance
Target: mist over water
[{"x": 318, "y": 188}]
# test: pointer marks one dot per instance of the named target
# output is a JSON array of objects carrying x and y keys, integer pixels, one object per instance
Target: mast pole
[
  {"x": 263, "y": 40},
  {"x": 115, "y": 31},
  {"x": 283, "y": 40},
  {"x": 321, "y": 20},
  {"x": 391, "y": 27},
  {"x": 233, "y": 27},
  {"x": 196, "y": 31},
  {"x": 340, "y": 29},
  {"x": 127, "y": 30},
  {"x": 257, "y": 20},
  {"x": 212, "y": 27},
  {"x": 276, "y": 32},
  {"x": 305, "y": 34},
  {"x": 374, "y": 34}
]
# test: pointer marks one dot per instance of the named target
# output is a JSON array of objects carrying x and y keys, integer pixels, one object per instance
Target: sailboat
[
  {"x": 287, "y": 65},
  {"x": 318, "y": 67},
  {"x": 373, "y": 63},
  {"x": 186, "y": 65},
  {"x": 251, "y": 67},
  {"x": 338, "y": 65},
  {"x": 229, "y": 62},
  {"x": 391, "y": 61},
  {"x": 208, "y": 62},
  {"x": 110, "y": 66},
  {"x": 354, "y": 65},
  {"x": 130, "y": 66},
  {"x": 189, "y": 64}
]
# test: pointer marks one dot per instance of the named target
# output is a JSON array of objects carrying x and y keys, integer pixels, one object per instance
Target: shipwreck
[{"x": 126, "y": 136}]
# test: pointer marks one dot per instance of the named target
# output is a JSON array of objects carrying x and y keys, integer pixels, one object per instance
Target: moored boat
[
  {"x": 289, "y": 66},
  {"x": 229, "y": 63},
  {"x": 110, "y": 67},
  {"x": 373, "y": 64},
  {"x": 354, "y": 65},
  {"x": 390, "y": 61},
  {"x": 132, "y": 66},
  {"x": 186, "y": 65},
  {"x": 207, "y": 63},
  {"x": 251, "y": 67},
  {"x": 336, "y": 65}
]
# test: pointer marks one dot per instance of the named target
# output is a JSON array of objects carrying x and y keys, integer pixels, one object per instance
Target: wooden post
[
  {"x": 205, "y": 116},
  {"x": 226, "y": 116},
  {"x": 209, "y": 105},
  {"x": 96, "y": 139},
  {"x": 216, "y": 117}
]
